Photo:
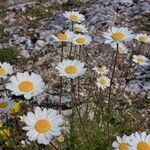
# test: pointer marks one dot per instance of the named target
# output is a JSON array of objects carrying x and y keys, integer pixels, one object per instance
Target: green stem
[
  {"x": 61, "y": 81},
  {"x": 53, "y": 146},
  {"x": 4, "y": 87},
  {"x": 110, "y": 89},
  {"x": 14, "y": 142},
  {"x": 72, "y": 130},
  {"x": 71, "y": 46},
  {"x": 80, "y": 48},
  {"x": 79, "y": 115}
]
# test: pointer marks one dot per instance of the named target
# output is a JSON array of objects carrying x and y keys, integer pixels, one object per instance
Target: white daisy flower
[
  {"x": 80, "y": 28},
  {"x": 143, "y": 38},
  {"x": 5, "y": 69},
  {"x": 101, "y": 70},
  {"x": 139, "y": 141},
  {"x": 26, "y": 84},
  {"x": 74, "y": 16},
  {"x": 141, "y": 60},
  {"x": 80, "y": 39},
  {"x": 121, "y": 47},
  {"x": 121, "y": 143},
  {"x": 103, "y": 82},
  {"x": 6, "y": 104},
  {"x": 71, "y": 68},
  {"x": 118, "y": 34},
  {"x": 64, "y": 37},
  {"x": 43, "y": 125}
]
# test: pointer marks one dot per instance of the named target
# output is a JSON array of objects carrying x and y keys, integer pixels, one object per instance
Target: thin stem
[
  {"x": 78, "y": 111},
  {"x": 62, "y": 51},
  {"x": 4, "y": 87},
  {"x": 71, "y": 46},
  {"x": 61, "y": 80},
  {"x": 79, "y": 77},
  {"x": 53, "y": 146},
  {"x": 80, "y": 48},
  {"x": 72, "y": 130},
  {"x": 110, "y": 89},
  {"x": 9, "y": 138}
]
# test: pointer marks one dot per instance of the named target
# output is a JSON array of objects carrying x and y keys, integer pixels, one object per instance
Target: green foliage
[
  {"x": 145, "y": 22},
  {"x": 8, "y": 55},
  {"x": 38, "y": 12},
  {"x": 73, "y": 3},
  {"x": 146, "y": 26},
  {"x": 2, "y": 27}
]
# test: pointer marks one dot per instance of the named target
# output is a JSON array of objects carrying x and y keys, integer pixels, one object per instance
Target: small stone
[
  {"x": 40, "y": 43},
  {"x": 12, "y": 30},
  {"x": 25, "y": 54}
]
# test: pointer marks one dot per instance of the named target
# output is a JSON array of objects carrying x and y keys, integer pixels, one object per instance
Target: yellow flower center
[
  {"x": 71, "y": 70},
  {"x": 73, "y": 17},
  {"x": 123, "y": 146},
  {"x": 80, "y": 40},
  {"x": 26, "y": 86},
  {"x": 143, "y": 38},
  {"x": 43, "y": 125},
  {"x": 62, "y": 36},
  {"x": 2, "y": 71},
  {"x": 78, "y": 29},
  {"x": 140, "y": 60},
  {"x": 101, "y": 69},
  {"x": 143, "y": 146},
  {"x": 3, "y": 104},
  {"x": 118, "y": 36},
  {"x": 102, "y": 81}
]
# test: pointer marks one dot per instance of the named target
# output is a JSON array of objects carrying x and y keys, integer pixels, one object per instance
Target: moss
[
  {"x": 8, "y": 55},
  {"x": 73, "y": 3},
  {"x": 39, "y": 13}
]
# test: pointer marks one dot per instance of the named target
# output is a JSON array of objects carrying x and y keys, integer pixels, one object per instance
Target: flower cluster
[
  {"x": 41, "y": 126},
  {"x": 76, "y": 36}
]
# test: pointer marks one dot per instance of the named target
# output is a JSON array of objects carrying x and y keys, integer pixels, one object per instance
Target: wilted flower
[
  {"x": 16, "y": 107},
  {"x": 61, "y": 138}
]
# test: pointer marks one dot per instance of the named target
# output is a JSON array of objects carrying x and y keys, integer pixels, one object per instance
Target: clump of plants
[
  {"x": 9, "y": 55},
  {"x": 73, "y": 3}
]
